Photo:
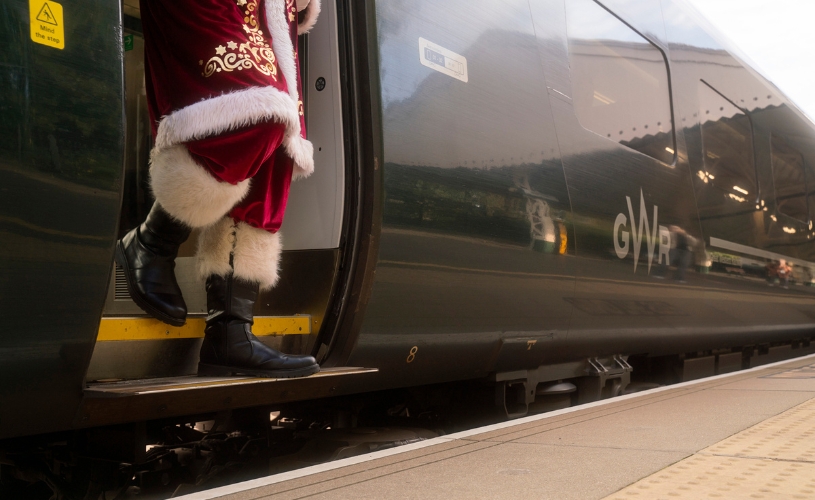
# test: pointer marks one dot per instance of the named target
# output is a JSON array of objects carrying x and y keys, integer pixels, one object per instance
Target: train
[{"x": 558, "y": 199}]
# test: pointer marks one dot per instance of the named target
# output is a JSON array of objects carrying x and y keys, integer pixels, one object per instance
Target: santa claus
[{"x": 223, "y": 92}]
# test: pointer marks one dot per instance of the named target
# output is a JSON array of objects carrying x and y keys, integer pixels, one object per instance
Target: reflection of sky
[
  {"x": 777, "y": 35},
  {"x": 586, "y": 20},
  {"x": 400, "y": 46}
]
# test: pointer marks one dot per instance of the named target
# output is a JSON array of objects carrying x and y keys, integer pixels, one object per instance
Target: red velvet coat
[{"x": 223, "y": 92}]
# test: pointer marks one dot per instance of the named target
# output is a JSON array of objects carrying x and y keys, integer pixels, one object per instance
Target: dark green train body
[{"x": 523, "y": 192}]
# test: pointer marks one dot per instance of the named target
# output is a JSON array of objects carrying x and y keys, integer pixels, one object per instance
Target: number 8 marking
[{"x": 412, "y": 355}]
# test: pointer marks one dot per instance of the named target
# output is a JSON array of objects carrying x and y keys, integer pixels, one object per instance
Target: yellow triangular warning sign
[{"x": 46, "y": 15}]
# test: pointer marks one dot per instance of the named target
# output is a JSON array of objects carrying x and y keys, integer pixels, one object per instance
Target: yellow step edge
[{"x": 118, "y": 329}]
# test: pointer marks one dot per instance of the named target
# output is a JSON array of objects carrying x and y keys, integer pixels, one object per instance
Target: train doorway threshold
[{"x": 157, "y": 398}]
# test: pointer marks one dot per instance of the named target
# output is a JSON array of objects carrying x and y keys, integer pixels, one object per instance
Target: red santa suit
[{"x": 223, "y": 91}]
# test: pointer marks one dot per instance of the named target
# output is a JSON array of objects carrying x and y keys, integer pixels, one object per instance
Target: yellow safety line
[{"x": 117, "y": 329}]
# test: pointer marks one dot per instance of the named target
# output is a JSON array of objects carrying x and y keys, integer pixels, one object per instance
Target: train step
[{"x": 149, "y": 399}]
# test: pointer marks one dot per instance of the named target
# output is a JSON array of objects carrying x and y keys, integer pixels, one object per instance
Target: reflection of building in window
[
  {"x": 728, "y": 154},
  {"x": 789, "y": 175},
  {"x": 619, "y": 81}
]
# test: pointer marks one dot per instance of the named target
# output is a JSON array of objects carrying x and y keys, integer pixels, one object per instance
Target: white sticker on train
[{"x": 442, "y": 60}]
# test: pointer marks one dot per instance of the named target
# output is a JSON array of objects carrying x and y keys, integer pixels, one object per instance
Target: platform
[{"x": 749, "y": 434}]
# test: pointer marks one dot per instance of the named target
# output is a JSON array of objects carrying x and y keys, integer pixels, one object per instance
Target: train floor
[{"x": 749, "y": 434}]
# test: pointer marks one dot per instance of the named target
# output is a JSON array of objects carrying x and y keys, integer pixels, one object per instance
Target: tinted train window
[
  {"x": 727, "y": 142},
  {"x": 619, "y": 81},
  {"x": 790, "y": 180}
]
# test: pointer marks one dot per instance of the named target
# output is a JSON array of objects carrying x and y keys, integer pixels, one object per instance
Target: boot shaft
[
  {"x": 161, "y": 233},
  {"x": 230, "y": 299}
]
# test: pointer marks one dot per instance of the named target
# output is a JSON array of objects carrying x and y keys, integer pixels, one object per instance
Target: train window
[
  {"x": 619, "y": 81},
  {"x": 727, "y": 143},
  {"x": 790, "y": 179}
]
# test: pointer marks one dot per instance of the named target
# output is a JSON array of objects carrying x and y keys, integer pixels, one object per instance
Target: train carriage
[{"x": 536, "y": 194}]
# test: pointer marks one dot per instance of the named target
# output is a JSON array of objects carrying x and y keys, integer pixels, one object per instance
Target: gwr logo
[{"x": 640, "y": 233}]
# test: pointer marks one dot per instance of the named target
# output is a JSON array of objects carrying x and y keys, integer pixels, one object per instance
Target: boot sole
[
  {"x": 207, "y": 370},
  {"x": 138, "y": 299}
]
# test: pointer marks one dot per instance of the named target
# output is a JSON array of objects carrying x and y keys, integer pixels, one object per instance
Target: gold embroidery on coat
[
  {"x": 254, "y": 53},
  {"x": 292, "y": 8}
]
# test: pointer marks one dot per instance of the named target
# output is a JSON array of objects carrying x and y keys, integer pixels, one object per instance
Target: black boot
[
  {"x": 229, "y": 345},
  {"x": 147, "y": 254}
]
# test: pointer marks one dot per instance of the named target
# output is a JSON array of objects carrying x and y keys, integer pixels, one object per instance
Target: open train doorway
[{"x": 290, "y": 316}]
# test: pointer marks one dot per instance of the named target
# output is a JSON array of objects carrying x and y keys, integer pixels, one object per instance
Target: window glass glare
[
  {"x": 728, "y": 152},
  {"x": 790, "y": 180},
  {"x": 619, "y": 81}
]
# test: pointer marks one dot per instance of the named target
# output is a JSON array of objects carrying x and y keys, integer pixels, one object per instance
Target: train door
[
  {"x": 626, "y": 166},
  {"x": 290, "y": 316}
]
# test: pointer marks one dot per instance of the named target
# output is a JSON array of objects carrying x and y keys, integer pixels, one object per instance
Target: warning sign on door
[{"x": 47, "y": 27}]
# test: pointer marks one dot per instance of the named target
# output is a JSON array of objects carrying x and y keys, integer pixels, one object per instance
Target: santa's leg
[
  {"x": 188, "y": 196},
  {"x": 237, "y": 256}
]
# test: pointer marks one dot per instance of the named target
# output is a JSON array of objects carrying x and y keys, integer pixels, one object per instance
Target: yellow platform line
[{"x": 118, "y": 329}]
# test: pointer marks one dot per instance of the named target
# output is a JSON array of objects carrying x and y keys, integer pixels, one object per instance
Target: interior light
[
  {"x": 669, "y": 150},
  {"x": 710, "y": 176},
  {"x": 740, "y": 190},
  {"x": 774, "y": 218},
  {"x": 765, "y": 209},
  {"x": 762, "y": 203},
  {"x": 737, "y": 198},
  {"x": 789, "y": 230},
  {"x": 603, "y": 99}
]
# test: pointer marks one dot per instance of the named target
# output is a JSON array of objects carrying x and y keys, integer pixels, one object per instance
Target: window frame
[
  {"x": 807, "y": 195},
  {"x": 746, "y": 113},
  {"x": 668, "y": 74}
]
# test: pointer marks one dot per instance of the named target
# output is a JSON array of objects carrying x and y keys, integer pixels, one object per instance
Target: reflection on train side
[{"x": 620, "y": 81}]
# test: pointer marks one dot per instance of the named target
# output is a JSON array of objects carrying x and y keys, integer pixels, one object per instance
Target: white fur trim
[
  {"x": 282, "y": 46},
  {"x": 214, "y": 246},
  {"x": 302, "y": 152},
  {"x": 187, "y": 191},
  {"x": 228, "y": 112},
  {"x": 310, "y": 17},
  {"x": 256, "y": 256},
  {"x": 255, "y": 252},
  {"x": 299, "y": 149}
]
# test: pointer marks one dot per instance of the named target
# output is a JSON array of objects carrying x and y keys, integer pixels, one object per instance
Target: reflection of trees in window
[
  {"x": 791, "y": 187},
  {"x": 619, "y": 81},
  {"x": 728, "y": 155}
]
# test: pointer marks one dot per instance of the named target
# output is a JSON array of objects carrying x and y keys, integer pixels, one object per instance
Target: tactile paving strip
[{"x": 773, "y": 459}]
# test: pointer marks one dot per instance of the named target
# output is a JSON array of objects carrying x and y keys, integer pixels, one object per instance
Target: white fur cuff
[
  {"x": 310, "y": 17},
  {"x": 187, "y": 191},
  {"x": 257, "y": 255},
  {"x": 302, "y": 152},
  {"x": 214, "y": 246},
  {"x": 255, "y": 252}
]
